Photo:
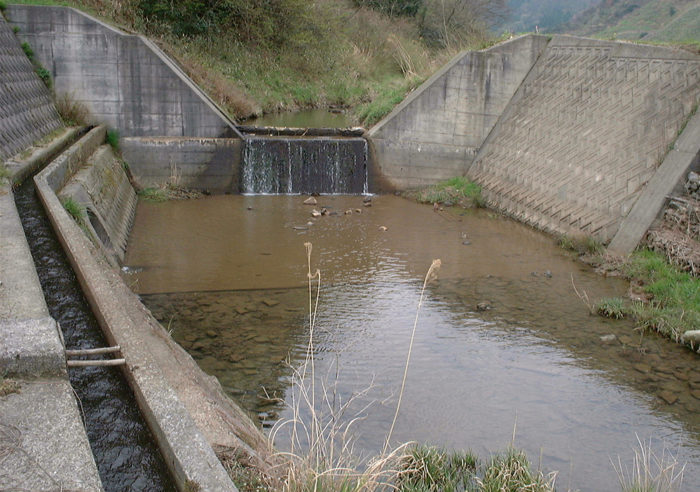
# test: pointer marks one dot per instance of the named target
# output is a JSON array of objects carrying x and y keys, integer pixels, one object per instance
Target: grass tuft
[
  {"x": 675, "y": 295},
  {"x": 75, "y": 210},
  {"x": 650, "y": 472},
  {"x": 5, "y": 174},
  {"x": 153, "y": 194},
  {"x": 71, "y": 111},
  {"x": 45, "y": 76},
  {"x": 426, "y": 468},
  {"x": 611, "y": 307},
  {"x": 112, "y": 139},
  {"x": 581, "y": 244},
  {"x": 455, "y": 191},
  {"x": 511, "y": 471}
]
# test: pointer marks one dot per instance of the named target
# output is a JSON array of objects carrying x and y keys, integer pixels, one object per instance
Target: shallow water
[
  {"x": 312, "y": 118},
  {"x": 228, "y": 276}
]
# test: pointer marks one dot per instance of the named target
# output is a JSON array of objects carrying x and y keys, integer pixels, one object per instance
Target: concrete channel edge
[{"x": 187, "y": 453}]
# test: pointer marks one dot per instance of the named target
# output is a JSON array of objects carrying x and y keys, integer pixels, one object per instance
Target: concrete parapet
[
  {"x": 199, "y": 163},
  {"x": 186, "y": 451},
  {"x": 26, "y": 110},
  {"x": 438, "y": 129},
  {"x": 125, "y": 80}
]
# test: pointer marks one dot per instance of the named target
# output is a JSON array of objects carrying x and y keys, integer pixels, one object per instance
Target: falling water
[{"x": 278, "y": 165}]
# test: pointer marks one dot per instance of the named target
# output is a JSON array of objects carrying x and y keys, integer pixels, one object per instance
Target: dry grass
[
  {"x": 650, "y": 472},
  {"x": 71, "y": 111},
  {"x": 9, "y": 386}
]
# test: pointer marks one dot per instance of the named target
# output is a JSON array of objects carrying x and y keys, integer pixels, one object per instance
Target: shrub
[
  {"x": 112, "y": 139},
  {"x": 45, "y": 76}
]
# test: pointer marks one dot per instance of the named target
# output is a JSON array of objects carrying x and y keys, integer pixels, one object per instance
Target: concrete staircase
[{"x": 585, "y": 132}]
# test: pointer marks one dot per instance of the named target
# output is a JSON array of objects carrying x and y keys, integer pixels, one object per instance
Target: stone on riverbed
[{"x": 310, "y": 201}]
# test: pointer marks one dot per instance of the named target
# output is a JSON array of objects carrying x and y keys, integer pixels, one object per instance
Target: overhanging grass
[{"x": 675, "y": 303}]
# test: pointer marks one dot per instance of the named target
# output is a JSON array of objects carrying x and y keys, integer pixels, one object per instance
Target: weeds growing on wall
[
  {"x": 75, "y": 210},
  {"x": 112, "y": 138},
  {"x": 581, "y": 244},
  {"x": 5, "y": 174}
]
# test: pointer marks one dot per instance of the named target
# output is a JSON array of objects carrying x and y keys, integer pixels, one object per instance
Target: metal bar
[
  {"x": 88, "y": 363},
  {"x": 94, "y": 351}
]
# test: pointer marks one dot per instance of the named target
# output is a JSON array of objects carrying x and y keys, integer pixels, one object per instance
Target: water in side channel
[
  {"x": 227, "y": 275},
  {"x": 126, "y": 454}
]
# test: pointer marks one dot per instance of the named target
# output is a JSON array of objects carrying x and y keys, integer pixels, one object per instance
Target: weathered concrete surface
[
  {"x": 197, "y": 163},
  {"x": 586, "y": 132},
  {"x": 125, "y": 80},
  {"x": 188, "y": 454},
  {"x": 436, "y": 132},
  {"x": 103, "y": 189},
  {"x": 670, "y": 176},
  {"x": 41, "y": 430},
  {"x": 26, "y": 110},
  {"x": 40, "y": 426}
]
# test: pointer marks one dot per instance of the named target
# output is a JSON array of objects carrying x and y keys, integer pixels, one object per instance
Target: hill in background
[
  {"x": 546, "y": 15},
  {"x": 642, "y": 20}
]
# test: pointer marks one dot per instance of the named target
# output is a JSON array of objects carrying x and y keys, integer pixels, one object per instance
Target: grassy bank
[{"x": 454, "y": 191}]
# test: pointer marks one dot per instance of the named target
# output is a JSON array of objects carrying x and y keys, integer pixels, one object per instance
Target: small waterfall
[{"x": 277, "y": 165}]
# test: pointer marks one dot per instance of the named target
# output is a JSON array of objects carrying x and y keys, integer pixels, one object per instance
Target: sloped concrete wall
[
  {"x": 125, "y": 80},
  {"x": 26, "y": 110},
  {"x": 586, "y": 132},
  {"x": 436, "y": 132}
]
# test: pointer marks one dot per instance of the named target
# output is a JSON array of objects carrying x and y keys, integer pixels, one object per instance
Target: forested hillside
[
  {"x": 645, "y": 20},
  {"x": 545, "y": 15}
]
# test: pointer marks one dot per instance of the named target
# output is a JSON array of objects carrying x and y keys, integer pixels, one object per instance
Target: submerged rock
[
  {"x": 310, "y": 201},
  {"x": 668, "y": 397},
  {"x": 383, "y": 228},
  {"x": 315, "y": 213},
  {"x": 608, "y": 338},
  {"x": 484, "y": 306}
]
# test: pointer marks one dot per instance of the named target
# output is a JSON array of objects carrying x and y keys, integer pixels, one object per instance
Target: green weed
[
  {"x": 457, "y": 191},
  {"x": 426, "y": 468},
  {"x": 511, "y": 471},
  {"x": 45, "y": 76},
  {"x": 675, "y": 295},
  {"x": 75, "y": 210},
  {"x": 611, "y": 307},
  {"x": 581, "y": 244},
  {"x": 154, "y": 194},
  {"x": 112, "y": 139},
  {"x": 28, "y": 51},
  {"x": 5, "y": 174},
  {"x": 3, "y": 6}
]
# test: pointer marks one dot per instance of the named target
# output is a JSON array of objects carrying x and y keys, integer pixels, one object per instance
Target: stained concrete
[
  {"x": 124, "y": 80},
  {"x": 437, "y": 130},
  {"x": 211, "y": 164}
]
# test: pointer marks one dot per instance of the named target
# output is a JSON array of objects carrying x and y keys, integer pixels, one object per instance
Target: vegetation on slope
[
  {"x": 660, "y": 20},
  {"x": 255, "y": 57}
]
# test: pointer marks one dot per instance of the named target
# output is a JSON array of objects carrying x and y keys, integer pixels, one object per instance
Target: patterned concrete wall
[
  {"x": 26, "y": 110},
  {"x": 125, "y": 80},
  {"x": 436, "y": 132},
  {"x": 585, "y": 132}
]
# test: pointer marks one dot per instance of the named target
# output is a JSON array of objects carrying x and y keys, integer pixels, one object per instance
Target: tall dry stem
[{"x": 432, "y": 274}]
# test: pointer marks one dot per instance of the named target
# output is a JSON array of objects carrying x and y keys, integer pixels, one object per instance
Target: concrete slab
[
  {"x": 31, "y": 347},
  {"x": 43, "y": 445}
]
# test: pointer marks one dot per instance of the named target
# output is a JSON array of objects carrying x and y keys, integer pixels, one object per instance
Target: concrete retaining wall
[
  {"x": 586, "y": 132},
  {"x": 436, "y": 132},
  {"x": 198, "y": 163},
  {"x": 125, "y": 80},
  {"x": 26, "y": 110}
]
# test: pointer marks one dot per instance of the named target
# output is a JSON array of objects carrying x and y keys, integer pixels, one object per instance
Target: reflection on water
[{"x": 228, "y": 275}]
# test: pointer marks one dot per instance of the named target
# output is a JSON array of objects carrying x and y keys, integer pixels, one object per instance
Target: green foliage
[
  {"x": 458, "y": 191},
  {"x": 611, "y": 307},
  {"x": 394, "y": 8},
  {"x": 511, "y": 472},
  {"x": 153, "y": 194},
  {"x": 45, "y": 76},
  {"x": 675, "y": 303},
  {"x": 75, "y": 210},
  {"x": 15, "y": 29},
  {"x": 112, "y": 139},
  {"x": 5, "y": 174},
  {"x": 426, "y": 468},
  {"x": 28, "y": 51},
  {"x": 3, "y": 5}
]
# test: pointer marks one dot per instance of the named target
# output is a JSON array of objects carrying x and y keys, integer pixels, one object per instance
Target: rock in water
[
  {"x": 483, "y": 306},
  {"x": 310, "y": 201},
  {"x": 383, "y": 228},
  {"x": 692, "y": 336},
  {"x": 315, "y": 213}
]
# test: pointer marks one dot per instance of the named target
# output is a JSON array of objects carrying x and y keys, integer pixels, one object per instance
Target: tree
[{"x": 452, "y": 23}]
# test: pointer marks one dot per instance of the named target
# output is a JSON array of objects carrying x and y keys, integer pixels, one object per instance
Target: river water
[{"x": 228, "y": 274}]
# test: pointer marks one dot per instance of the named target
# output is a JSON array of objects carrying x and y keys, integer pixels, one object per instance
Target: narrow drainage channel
[{"x": 124, "y": 449}]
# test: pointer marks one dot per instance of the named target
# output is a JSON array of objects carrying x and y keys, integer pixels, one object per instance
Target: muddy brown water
[{"x": 227, "y": 275}]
